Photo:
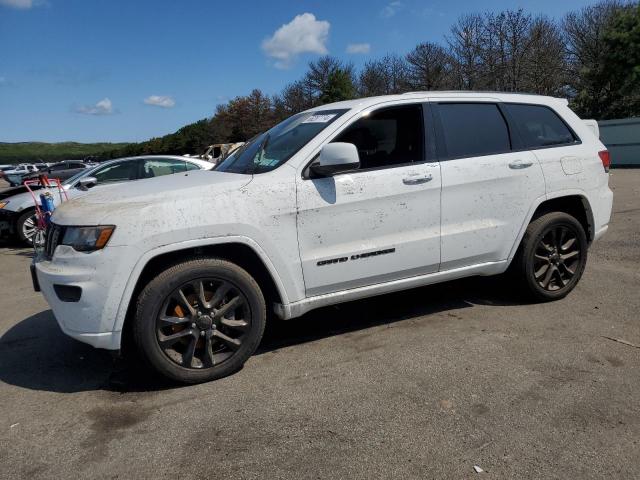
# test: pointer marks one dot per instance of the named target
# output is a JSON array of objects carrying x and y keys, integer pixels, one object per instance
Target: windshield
[{"x": 274, "y": 147}]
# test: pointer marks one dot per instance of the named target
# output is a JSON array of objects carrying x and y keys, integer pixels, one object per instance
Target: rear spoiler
[{"x": 593, "y": 126}]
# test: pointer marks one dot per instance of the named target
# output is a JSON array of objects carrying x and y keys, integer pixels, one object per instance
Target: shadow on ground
[
  {"x": 35, "y": 354},
  {"x": 14, "y": 247}
]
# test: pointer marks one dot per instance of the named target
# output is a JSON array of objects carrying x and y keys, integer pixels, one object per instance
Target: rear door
[
  {"x": 488, "y": 182},
  {"x": 378, "y": 223}
]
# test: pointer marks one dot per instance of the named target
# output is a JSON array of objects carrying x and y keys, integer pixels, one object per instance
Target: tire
[
  {"x": 26, "y": 223},
  {"x": 175, "y": 339},
  {"x": 547, "y": 255}
]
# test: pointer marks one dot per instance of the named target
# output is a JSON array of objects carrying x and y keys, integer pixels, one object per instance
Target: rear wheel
[
  {"x": 552, "y": 256},
  {"x": 199, "y": 320}
]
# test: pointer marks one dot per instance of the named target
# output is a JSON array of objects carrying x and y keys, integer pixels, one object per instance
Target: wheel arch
[
  {"x": 575, "y": 203},
  {"x": 239, "y": 251}
]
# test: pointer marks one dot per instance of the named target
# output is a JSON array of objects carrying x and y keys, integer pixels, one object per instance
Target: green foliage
[
  {"x": 52, "y": 152},
  {"x": 339, "y": 87},
  {"x": 621, "y": 67},
  {"x": 604, "y": 61}
]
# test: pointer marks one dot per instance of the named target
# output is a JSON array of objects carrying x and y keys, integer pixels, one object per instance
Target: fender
[
  {"x": 539, "y": 201},
  {"x": 174, "y": 247}
]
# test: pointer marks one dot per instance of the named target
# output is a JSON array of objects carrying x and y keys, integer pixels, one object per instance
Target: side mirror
[
  {"x": 87, "y": 182},
  {"x": 336, "y": 158}
]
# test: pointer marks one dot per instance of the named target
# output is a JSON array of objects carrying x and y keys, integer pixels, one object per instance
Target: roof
[{"x": 448, "y": 94}]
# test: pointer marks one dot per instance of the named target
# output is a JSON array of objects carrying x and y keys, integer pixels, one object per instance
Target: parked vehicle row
[
  {"x": 14, "y": 174},
  {"x": 17, "y": 208},
  {"x": 337, "y": 203}
]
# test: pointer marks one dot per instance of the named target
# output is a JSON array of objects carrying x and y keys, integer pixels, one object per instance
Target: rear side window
[
  {"x": 157, "y": 167},
  {"x": 473, "y": 129},
  {"x": 539, "y": 126}
]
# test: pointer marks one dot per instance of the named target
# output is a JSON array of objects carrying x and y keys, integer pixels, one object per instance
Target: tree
[
  {"x": 429, "y": 67},
  {"x": 621, "y": 40},
  {"x": 465, "y": 47},
  {"x": 294, "y": 98},
  {"x": 325, "y": 75},
  {"x": 386, "y": 76},
  {"x": 243, "y": 117},
  {"x": 339, "y": 87},
  {"x": 586, "y": 54},
  {"x": 545, "y": 60}
]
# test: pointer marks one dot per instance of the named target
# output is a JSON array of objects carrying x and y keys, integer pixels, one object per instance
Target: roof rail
[{"x": 474, "y": 91}]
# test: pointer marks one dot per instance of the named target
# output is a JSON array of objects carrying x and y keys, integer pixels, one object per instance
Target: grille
[{"x": 53, "y": 237}]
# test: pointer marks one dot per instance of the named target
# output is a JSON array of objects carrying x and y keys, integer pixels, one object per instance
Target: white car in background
[
  {"x": 17, "y": 209},
  {"x": 14, "y": 176}
]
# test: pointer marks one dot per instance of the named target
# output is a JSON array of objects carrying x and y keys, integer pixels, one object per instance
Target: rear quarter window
[{"x": 539, "y": 126}]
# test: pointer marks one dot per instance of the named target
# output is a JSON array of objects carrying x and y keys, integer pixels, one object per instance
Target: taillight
[{"x": 606, "y": 159}]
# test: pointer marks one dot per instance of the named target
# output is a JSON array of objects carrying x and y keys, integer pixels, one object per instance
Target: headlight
[
  {"x": 87, "y": 239},
  {"x": 4, "y": 204}
]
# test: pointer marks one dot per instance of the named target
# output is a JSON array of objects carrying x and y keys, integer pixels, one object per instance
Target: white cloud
[
  {"x": 391, "y": 9},
  {"x": 358, "y": 48},
  {"x": 103, "y": 107},
  {"x": 303, "y": 34},
  {"x": 22, "y": 4},
  {"x": 160, "y": 101}
]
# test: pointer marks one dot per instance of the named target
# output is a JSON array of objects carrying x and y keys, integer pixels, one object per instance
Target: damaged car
[{"x": 337, "y": 203}]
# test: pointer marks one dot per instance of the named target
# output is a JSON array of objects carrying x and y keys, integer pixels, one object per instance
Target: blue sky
[{"x": 128, "y": 70}]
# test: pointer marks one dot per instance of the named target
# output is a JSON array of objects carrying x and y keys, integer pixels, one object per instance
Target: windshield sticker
[{"x": 319, "y": 118}]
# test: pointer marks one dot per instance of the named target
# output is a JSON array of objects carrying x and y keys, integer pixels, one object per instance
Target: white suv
[{"x": 337, "y": 203}]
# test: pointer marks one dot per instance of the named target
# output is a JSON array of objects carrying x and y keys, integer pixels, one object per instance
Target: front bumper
[
  {"x": 8, "y": 221},
  {"x": 101, "y": 278}
]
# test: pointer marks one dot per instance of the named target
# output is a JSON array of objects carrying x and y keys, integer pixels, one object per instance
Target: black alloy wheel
[
  {"x": 557, "y": 258},
  {"x": 203, "y": 323},
  {"x": 199, "y": 320},
  {"x": 552, "y": 256}
]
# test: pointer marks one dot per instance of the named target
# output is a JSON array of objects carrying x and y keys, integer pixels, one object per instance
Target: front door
[{"x": 381, "y": 222}]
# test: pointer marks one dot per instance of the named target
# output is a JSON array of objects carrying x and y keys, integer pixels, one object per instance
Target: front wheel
[
  {"x": 552, "y": 256},
  {"x": 199, "y": 320},
  {"x": 27, "y": 227}
]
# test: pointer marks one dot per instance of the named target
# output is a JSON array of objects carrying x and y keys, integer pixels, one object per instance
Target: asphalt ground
[{"x": 420, "y": 384}]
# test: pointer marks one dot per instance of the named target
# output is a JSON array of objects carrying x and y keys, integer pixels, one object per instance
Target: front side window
[
  {"x": 118, "y": 172},
  {"x": 386, "y": 137},
  {"x": 539, "y": 126},
  {"x": 274, "y": 147},
  {"x": 473, "y": 129}
]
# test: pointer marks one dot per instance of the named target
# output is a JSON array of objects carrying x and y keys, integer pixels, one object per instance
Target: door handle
[
  {"x": 519, "y": 164},
  {"x": 417, "y": 180}
]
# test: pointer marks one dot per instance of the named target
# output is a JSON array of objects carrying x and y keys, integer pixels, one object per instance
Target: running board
[{"x": 296, "y": 309}]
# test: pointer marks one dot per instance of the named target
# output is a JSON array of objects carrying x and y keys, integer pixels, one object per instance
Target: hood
[
  {"x": 111, "y": 201},
  {"x": 11, "y": 191}
]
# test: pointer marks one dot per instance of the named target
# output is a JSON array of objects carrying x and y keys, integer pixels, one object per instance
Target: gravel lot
[{"x": 419, "y": 384}]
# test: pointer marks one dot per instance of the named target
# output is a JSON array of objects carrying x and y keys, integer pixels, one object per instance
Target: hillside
[{"x": 50, "y": 152}]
